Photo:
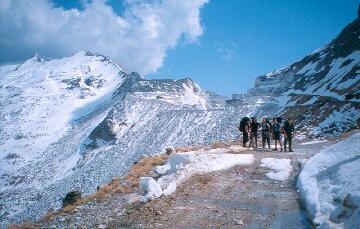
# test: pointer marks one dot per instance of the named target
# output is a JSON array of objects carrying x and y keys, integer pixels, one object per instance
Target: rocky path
[{"x": 240, "y": 197}]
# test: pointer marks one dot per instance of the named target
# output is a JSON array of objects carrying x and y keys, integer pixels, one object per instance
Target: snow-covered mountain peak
[
  {"x": 40, "y": 98},
  {"x": 183, "y": 92}
]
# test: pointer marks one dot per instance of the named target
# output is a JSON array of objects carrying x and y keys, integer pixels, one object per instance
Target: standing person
[
  {"x": 265, "y": 132},
  {"x": 244, "y": 128},
  {"x": 254, "y": 127},
  {"x": 288, "y": 133},
  {"x": 276, "y": 133}
]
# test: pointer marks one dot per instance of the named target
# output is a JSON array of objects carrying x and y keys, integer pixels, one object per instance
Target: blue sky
[
  {"x": 223, "y": 44},
  {"x": 260, "y": 35}
]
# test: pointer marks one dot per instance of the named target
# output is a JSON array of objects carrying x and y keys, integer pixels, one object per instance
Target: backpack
[
  {"x": 287, "y": 127},
  {"x": 279, "y": 119},
  {"x": 243, "y": 123}
]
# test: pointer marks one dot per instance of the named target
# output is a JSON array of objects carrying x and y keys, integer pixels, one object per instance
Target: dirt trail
[{"x": 240, "y": 197}]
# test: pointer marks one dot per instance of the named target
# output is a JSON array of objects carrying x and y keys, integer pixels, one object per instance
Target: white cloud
[{"x": 138, "y": 39}]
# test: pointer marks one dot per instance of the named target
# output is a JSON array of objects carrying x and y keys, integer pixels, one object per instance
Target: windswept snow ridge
[{"x": 329, "y": 185}]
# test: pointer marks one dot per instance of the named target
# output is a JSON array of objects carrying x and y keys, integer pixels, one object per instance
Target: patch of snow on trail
[
  {"x": 329, "y": 185},
  {"x": 313, "y": 142},
  {"x": 282, "y": 168},
  {"x": 181, "y": 167}
]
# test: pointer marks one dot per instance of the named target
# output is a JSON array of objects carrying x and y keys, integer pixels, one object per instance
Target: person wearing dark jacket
[
  {"x": 288, "y": 134},
  {"x": 254, "y": 127},
  {"x": 265, "y": 132}
]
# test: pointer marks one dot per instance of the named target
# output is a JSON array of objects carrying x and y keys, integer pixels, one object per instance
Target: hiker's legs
[
  {"x": 290, "y": 142},
  {"x": 263, "y": 138},
  {"x": 256, "y": 139},
  {"x": 277, "y": 139},
  {"x": 245, "y": 138},
  {"x": 266, "y": 139},
  {"x": 285, "y": 142},
  {"x": 251, "y": 140}
]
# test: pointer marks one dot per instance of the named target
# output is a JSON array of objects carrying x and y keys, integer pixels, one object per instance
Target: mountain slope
[
  {"x": 89, "y": 131},
  {"x": 322, "y": 91},
  {"x": 42, "y": 97}
]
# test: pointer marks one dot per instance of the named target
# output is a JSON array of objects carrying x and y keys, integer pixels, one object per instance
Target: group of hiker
[{"x": 279, "y": 129}]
